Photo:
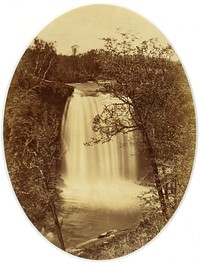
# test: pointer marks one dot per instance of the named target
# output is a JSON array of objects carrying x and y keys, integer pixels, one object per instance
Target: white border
[{"x": 20, "y": 21}]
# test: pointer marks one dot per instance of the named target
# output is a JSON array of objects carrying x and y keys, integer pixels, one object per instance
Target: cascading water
[
  {"x": 101, "y": 175},
  {"x": 99, "y": 180}
]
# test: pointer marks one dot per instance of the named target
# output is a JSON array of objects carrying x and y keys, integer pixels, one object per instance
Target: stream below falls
[{"x": 100, "y": 181}]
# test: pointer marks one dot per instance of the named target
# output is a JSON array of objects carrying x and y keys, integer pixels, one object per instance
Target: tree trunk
[
  {"x": 156, "y": 175},
  {"x": 57, "y": 224},
  {"x": 54, "y": 214}
]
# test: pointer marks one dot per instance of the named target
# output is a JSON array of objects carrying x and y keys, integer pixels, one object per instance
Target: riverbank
[{"x": 114, "y": 244}]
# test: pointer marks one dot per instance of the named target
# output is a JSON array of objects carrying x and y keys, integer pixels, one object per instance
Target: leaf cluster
[
  {"x": 32, "y": 121},
  {"x": 154, "y": 105}
]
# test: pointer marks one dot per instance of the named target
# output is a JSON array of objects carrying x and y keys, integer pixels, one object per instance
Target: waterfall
[{"x": 103, "y": 174}]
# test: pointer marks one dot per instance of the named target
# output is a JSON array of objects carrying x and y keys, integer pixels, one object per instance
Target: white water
[{"x": 102, "y": 175}]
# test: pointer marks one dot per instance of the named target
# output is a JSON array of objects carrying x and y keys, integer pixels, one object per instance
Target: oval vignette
[{"x": 99, "y": 132}]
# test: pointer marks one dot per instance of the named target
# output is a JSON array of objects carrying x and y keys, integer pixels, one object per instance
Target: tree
[
  {"x": 74, "y": 48},
  {"x": 151, "y": 86},
  {"x": 39, "y": 58},
  {"x": 31, "y": 135}
]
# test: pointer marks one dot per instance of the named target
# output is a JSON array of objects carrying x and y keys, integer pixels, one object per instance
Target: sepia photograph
[{"x": 99, "y": 132}]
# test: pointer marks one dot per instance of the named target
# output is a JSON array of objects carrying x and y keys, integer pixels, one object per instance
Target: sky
[{"x": 86, "y": 26}]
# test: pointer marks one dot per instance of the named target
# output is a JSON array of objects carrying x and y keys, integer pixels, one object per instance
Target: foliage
[
  {"x": 75, "y": 68},
  {"x": 43, "y": 62},
  {"x": 153, "y": 98},
  {"x": 32, "y": 134}
]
